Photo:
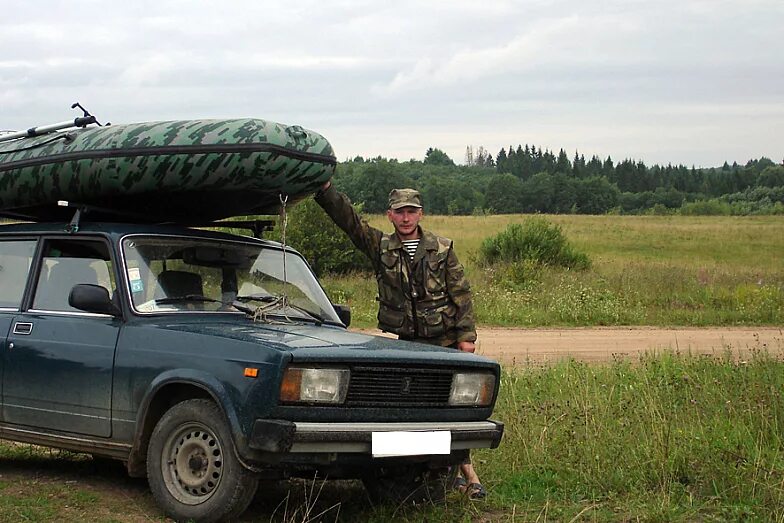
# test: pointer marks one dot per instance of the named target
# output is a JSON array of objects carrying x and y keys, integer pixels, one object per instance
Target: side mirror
[
  {"x": 344, "y": 313},
  {"x": 92, "y": 298}
]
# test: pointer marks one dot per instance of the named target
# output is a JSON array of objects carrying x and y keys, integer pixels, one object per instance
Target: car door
[
  {"x": 59, "y": 360},
  {"x": 16, "y": 255}
]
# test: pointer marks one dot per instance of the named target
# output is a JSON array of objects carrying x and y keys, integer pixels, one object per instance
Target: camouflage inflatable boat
[{"x": 180, "y": 171}]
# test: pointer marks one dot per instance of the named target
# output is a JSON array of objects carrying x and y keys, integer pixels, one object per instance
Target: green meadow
[
  {"x": 645, "y": 270},
  {"x": 664, "y": 437}
]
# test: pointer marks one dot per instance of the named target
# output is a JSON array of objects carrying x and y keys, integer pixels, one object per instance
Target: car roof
[{"x": 117, "y": 230}]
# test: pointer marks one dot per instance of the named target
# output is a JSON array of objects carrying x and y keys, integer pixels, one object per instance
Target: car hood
[{"x": 309, "y": 342}]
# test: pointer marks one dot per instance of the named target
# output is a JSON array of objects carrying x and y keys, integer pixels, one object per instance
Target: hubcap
[{"x": 192, "y": 463}]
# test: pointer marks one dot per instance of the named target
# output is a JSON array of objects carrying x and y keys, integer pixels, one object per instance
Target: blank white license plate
[{"x": 409, "y": 443}]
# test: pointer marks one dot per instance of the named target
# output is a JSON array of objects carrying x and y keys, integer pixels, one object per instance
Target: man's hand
[
  {"x": 466, "y": 346},
  {"x": 323, "y": 188}
]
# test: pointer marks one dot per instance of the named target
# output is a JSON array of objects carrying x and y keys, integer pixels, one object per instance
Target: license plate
[{"x": 410, "y": 443}]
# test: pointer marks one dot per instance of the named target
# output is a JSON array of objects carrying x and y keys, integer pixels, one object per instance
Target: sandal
[
  {"x": 476, "y": 491},
  {"x": 460, "y": 484}
]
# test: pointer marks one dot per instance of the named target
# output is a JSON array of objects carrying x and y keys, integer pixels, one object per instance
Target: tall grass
[
  {"x": 669, "y": 437},
  {"x": 654, "y": 270}
]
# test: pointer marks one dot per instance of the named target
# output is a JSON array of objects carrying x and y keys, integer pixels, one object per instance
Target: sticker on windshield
[{"x": 135, "y": 277}]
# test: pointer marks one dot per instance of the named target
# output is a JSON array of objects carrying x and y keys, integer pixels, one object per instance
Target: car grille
[{"x": 399, "y": 387}]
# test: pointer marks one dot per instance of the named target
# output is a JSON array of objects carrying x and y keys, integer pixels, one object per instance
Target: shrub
[
  {"x": 536, "y": 240},
  {"x": 706, "y": 208},
  {"x": 320, "y": 241},
  {"x": 659, "y": 209}
]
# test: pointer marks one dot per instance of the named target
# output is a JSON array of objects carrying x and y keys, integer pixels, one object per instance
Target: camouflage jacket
[{"x": 427, "y": 299}]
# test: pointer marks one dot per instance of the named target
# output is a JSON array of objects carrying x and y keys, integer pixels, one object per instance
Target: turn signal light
[{"x": 314, "y": 385}]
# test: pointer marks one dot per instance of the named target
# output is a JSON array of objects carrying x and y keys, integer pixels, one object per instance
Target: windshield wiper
[
  {"x": 264, "y": 298},
  {"x": 315, "y": 317},
  {"x": 201, "y": 299},
  {"x": 271, "y": 299},
  {"x": 188, "y": 297}
]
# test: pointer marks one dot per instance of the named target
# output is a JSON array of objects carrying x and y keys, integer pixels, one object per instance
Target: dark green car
[{"x": 205, "y": 361}]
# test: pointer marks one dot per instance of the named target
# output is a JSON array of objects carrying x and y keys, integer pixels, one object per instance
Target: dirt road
[{"x": 597, "y": 344}]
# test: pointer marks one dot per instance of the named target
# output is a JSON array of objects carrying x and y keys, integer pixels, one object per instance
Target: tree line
[{"x": 528, "y": 179}]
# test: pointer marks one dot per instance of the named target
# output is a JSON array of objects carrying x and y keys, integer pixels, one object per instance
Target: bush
[
  {"x": 706, "y": 208},
  {"x": 320, "y": 241},
  {"x": 536, "y": 240}
]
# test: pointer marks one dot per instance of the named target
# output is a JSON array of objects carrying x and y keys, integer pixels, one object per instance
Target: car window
[
  {"x": 196, "y": 274},
  {"x": 15, "y": 260},
  {"x": 67, "y": 263}
]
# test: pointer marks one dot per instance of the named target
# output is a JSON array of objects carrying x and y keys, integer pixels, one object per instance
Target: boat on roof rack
[{"x": 174, "y": 171}]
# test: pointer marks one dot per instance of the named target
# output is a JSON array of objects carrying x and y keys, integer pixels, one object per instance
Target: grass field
[
  {"x": 646, "y": 270},
  {"x": 668, "y": 438},
  {"x": 664, "y": 438}
]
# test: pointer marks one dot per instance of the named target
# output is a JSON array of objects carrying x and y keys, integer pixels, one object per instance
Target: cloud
[
  {"x": 396, "y": 78},
  {"x": 552, "y": 42}
]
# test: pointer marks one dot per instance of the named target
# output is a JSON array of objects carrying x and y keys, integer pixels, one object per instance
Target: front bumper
[{"x": 305, "y": 437}]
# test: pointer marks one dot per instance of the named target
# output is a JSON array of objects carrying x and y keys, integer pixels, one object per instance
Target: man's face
[{"x": 406, "y": 221}]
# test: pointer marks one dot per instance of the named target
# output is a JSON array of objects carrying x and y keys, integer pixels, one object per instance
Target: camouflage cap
[{"x": 404, "y": 198}]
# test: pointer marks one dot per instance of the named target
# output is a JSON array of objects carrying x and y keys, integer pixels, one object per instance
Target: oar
[{"x": 82, "y": 121}]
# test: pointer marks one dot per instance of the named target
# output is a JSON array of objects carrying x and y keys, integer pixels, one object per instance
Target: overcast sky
[{"x": 696, "y": 82}]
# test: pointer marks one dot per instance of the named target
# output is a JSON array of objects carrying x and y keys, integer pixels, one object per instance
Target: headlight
[
  {"x": 472, "y": 389},
  {"x": 312, "y": 385}
]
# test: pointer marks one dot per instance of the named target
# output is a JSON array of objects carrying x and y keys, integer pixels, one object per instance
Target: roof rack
[
  {"x": 84, "y": 209},
  {"x": 256, "y": 226}
]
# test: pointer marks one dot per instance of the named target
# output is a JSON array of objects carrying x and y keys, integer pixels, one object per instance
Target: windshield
[{"x": 168, "y": 274}]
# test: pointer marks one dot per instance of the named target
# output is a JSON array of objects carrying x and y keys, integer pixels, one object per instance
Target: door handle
[{"x": 23, "y": 328}]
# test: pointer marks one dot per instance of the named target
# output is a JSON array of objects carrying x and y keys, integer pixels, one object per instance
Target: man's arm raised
[{"x": 339, "y": 208}]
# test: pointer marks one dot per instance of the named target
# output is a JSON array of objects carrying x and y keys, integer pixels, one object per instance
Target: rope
[
  {"x": 260, "y": 314},
  {"x": 284, "y": 218}
]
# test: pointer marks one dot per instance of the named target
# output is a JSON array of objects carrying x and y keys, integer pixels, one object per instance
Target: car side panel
[
  {"x": 59, "y": 376},
  {"x": 149, "y": 357},
  {"x": 6, "y": 319}
]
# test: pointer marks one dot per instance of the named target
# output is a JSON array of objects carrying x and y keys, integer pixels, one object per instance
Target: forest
[{"x": 526, "y": 179}]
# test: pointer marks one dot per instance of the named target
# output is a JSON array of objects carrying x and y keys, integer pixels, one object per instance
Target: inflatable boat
[{"x": 177, "y": 171}]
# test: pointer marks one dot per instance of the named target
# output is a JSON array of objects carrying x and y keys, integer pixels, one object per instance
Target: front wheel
[{"x": 192, "y": 470}]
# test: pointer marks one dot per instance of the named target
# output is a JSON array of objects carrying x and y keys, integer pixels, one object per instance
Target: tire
[
  {"x": 409, "y": 485},
  {"x": 192, "y": 469}
]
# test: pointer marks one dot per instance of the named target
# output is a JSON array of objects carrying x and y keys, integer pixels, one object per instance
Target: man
[{"x": 422, "y": 292}]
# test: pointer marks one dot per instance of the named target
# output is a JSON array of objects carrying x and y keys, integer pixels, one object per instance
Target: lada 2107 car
[{"x": 205, "y": 361}]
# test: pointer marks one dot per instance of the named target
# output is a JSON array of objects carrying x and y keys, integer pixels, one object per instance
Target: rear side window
[{"x": 15, "y": 260}]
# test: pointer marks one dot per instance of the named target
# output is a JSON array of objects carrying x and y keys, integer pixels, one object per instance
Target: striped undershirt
[{"x": 411, "y": 246}]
